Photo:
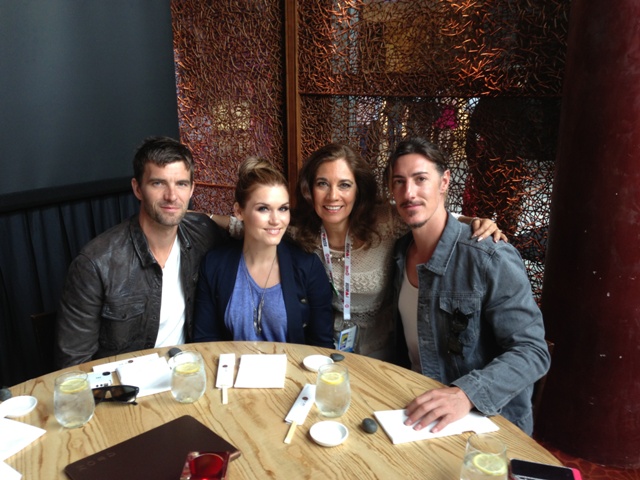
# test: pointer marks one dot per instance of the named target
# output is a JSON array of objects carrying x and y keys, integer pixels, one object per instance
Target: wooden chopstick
[
  {"x": 225, "y": 395},
  {"x": 290, "y": 433}
]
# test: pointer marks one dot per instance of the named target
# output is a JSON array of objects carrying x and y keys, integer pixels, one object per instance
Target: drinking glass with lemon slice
[
  {"x": 188, "y": 376},
  {"x": 485, "y": 458},
  {"x": 333, "y": 392},
  {"x": 73, "y": 403}
]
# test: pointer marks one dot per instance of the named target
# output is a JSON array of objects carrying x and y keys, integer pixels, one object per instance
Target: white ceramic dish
[
  {"x": 313, "y": 362},
  {"x": 329, "y": 433},
  {"x": 16, "y": 407}
]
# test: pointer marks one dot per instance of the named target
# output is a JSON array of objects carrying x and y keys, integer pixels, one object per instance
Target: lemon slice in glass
[
  {"x": 74, "y": 385},
  {"x": 187, "y": 368},
  {"x": 332, "y": 378},
  {"x": 490, "y": 464}
]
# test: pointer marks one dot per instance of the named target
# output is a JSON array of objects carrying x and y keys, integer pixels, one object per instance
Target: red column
[{"x": 591, "y": 290}]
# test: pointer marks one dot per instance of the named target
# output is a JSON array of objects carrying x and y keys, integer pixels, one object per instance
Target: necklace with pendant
[{"x": 257, "y": 311}]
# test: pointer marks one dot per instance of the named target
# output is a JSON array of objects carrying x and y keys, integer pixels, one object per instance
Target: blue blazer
[{"x": 305, "y": 288}]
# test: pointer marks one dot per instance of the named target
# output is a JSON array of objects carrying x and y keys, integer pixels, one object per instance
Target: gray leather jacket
[
  {"x": 112, "y": 295},
  {"x": 479, "y": 327}
]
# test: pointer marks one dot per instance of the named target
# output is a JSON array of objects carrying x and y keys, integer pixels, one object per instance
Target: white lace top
[{"x": 371, "y": 295}]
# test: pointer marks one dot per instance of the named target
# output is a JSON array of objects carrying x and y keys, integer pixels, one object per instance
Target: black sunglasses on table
[{"x": 116, "y": 393}]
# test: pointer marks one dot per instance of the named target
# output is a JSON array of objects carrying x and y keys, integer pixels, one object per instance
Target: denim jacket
[
  {"x": 113, "y": 291},
  {"x": 479, "y": 327}
]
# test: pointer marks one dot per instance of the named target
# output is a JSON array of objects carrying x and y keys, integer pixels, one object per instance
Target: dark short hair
[
  {"x": 161, "y": 151},
  {"x": 362, "y": 222},
  {"x": 255, "y": 172},
  {"x": 420, "y": 146}
]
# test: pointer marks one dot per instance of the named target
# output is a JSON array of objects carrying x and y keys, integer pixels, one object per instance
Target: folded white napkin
[
  {"x": 14, "y": 436},
  {"x": 262, "y": 371},
  {"x": 392, "y": 421},
  {"x": 8, "y": 473},
  {"x": 151, "y": 376}
]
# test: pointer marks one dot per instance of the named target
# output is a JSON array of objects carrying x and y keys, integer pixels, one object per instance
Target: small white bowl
[
  {"x": 15, "y": 407},
  {"x": 329, "y": 433},
  {"x": 314, "y": 362}
]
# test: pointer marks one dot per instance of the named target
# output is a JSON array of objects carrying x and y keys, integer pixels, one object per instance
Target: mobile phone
[
  {"x": 526, "y": 470},
  {"x": 97, "y": 379}
]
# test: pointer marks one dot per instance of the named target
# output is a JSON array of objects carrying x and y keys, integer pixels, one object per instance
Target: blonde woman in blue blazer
[{"x": 260, "y": 287}]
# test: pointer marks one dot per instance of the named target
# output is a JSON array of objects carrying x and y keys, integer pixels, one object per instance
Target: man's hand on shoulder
[{"x": 444, "y": 405}]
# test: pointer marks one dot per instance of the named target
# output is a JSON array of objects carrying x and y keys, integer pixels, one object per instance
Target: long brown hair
[{"x": 362, "y": 221}]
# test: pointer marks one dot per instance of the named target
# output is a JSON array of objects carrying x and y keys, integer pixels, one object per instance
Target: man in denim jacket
[{"x": 466, "y": 314}]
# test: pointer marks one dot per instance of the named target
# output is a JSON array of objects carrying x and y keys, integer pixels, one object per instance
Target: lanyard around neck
[{"x": 346, "y": 296}]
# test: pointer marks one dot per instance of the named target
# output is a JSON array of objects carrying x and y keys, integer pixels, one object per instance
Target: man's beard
[
  {"x": 412, "y": 225},
  {"x": 162, "y": 219},
  {"x": 416, "y": 225}
]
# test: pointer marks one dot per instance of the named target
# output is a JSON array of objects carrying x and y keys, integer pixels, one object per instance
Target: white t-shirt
[
  {"x": 172, "y": 306},
  {"x": 408, "y": 307}
]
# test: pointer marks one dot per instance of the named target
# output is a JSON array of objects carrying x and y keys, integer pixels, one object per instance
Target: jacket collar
[
  {"x": 444, "y": 250},
  {"x": 446, "y": 245},
  {"x": 141, "y": 245}
]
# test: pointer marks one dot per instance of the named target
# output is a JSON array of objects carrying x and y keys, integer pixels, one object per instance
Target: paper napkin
[
  {"x": 8, "y": 473},
  {"x": 151, "y": 376},
  {"x": 262, "y": 371},
  {"x": 14, "y": 436},
  {"x": 112, "y": 366},
  {"x": 392, "y": 421}
]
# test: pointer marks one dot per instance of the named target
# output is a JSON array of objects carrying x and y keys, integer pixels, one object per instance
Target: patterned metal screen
[
  {"x": 482, "y": 80},
  {"x": 229, "y": 71}
]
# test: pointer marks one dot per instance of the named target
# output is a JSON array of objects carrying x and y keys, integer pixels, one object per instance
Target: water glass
[
  {"x": 485, "y": 458},
  {"x": 188, "y": 377},
  {"x": 73, "y": 403},
  {"x": 333, "y": 392}
]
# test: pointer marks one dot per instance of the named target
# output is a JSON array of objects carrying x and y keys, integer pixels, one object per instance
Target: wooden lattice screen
[{"x": 480, "y": 79}]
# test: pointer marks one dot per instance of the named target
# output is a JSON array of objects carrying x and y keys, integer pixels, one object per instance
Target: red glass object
[{"x": 205, "y": 466}]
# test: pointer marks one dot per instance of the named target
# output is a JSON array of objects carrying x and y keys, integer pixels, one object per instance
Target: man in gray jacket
[
  {"x": 466, "y": 315},
  {"x": 133, "y": 286}
]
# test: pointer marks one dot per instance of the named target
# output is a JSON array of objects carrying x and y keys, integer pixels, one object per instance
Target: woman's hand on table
[{"x": 444, "y": 405}]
